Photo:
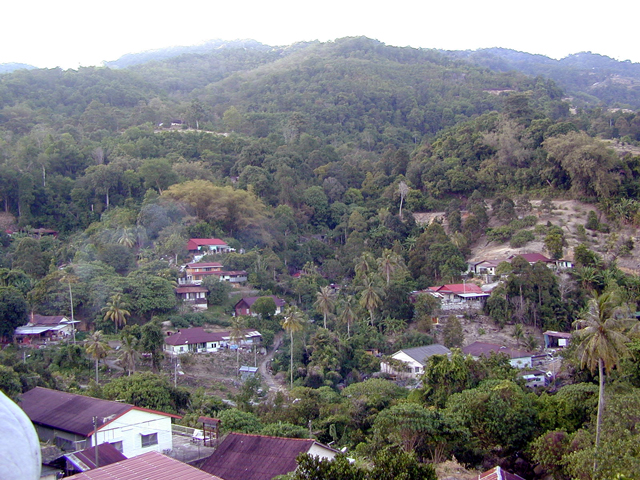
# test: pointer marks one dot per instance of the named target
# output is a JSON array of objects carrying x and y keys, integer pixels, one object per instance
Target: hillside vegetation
[{"x": 323, "y": 165}]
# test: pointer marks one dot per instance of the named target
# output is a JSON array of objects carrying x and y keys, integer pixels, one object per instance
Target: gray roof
[{"x": 420, "y": 354}]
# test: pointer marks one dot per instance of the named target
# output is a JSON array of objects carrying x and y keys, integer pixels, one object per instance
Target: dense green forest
[{"x": 310, "y": 161}]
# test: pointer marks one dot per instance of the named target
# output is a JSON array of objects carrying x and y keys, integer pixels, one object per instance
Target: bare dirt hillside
[{"x": 568, "y": 214}]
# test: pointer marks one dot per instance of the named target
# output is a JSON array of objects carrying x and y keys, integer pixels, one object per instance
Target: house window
[
  {"x": 117, "y": 446},
  {"x": 149, "y": 440}
]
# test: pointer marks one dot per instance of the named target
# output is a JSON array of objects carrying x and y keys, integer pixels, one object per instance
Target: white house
[
  {"x": 415, "y": 359},
  {"x": 198, "y": 340},
  {"x": 75, "y": 422}
]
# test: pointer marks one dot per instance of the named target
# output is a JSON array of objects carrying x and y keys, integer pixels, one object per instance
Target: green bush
[{"x": 521, "y": 238}]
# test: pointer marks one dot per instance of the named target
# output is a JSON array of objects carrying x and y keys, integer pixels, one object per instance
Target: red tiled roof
[
  {"x": 73, "y": 413},
  {"x": 478, "y": 349},
  {"x": 203, "y": 265},
  {"x": 194, "y": 243},
  {"x": 148, "y": 466},
  {"x": 194, "y": 335},
  {"x": 498, "y": 473},
  {"x": 458, "y": 288},
  {"x": 85, "y": 459},
  {"x": 255, "y": 457}
]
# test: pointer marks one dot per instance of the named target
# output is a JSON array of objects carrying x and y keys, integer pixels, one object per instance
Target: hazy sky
[{"x": 72, "y": 33}]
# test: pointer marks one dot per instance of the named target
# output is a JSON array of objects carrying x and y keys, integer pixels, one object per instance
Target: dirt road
[{"x": 268, "y": 378}]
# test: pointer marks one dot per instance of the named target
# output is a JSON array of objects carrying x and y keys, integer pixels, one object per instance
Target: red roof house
[
  {"x": 257, "y": 457},
  {"x": 204, "y": 246}
]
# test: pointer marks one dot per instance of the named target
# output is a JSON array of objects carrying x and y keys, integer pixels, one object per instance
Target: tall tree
[
  {"x": 370, "y": 295},
  {"x": 601, "y": 344},
  {"x": 97, "y": 348},
  {"x": 348, "y": 313},
  {"x": 292, "y": 322},
  {"x": 116, "y": 311},
  {"x": 128, "y": 351},
  {"x": 403, "y": 190},
  {"x": 325, "y": 302},
  {"x": 388, "y": 263}
]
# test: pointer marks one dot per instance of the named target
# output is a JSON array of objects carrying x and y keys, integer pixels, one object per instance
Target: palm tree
[
  {"x": 389, "y": 263},
  {"x": 348, "y": 314},
  {"x": 116, "y": 311},
  {"x": 236, "y": 336},
  {"x": 293, "y": 321},
  {"x": 602, "y": 343},
  {"x": 369, "y": 296},
  {"x": 325, "y": 302},
  {"x": 129, "y": 352},
  {"x": 97, "y": 348},
  {"x": 364, "y": 264}
]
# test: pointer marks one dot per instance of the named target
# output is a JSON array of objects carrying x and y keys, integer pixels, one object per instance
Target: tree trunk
[
  {"x": 325, "y": 321},
  {"x": 97, "y": 370},
  {"x": 600, "y": 412},
  {"x": 291, "y": 366}
]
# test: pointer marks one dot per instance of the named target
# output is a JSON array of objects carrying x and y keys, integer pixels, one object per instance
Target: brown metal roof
[
  {"x": 86, "y": 459},
  {"x": 148, "y": 466},
  {"x": 194, "y": 335},
  {"x": 192, "y": 289},
  {"x": 43, "y": 320},
  {"x": 255, "y": 457},
  {"x": 73, "y": 413}
]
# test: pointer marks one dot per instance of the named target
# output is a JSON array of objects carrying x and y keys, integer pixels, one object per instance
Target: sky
[{"x": 73, "y": 33}]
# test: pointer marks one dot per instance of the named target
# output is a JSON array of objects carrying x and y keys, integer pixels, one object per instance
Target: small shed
[
  {"x": 210, "y": 431},
  {"x": 553, "y": 339}
]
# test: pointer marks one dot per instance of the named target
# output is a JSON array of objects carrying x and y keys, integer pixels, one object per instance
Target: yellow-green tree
[{"x": 233, "y": 209}]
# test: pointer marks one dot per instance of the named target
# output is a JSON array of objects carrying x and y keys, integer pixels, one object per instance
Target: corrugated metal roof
[
  {"x": 148, "y": 466},
  {"x": 498, "y": 473},
  {"x": 69, "y": 412},
  {"x": 41, "y": 320},
  {"x": 251, "y": 300},
  {"x": 420, "y": 354},
  {"x": 255, "y": 457},
  {"x": 194, "y": 243},
  {"x": 73, "y": 413},
  {"x": 194, "y": 335},
  {"x": 85, "y": 459}
]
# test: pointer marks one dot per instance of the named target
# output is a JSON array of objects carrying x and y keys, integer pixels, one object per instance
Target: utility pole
[{"x": 95, "y": 437}]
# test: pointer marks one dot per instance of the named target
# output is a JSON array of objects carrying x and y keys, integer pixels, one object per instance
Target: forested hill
[
  {"x": 344, "y": 122},
  {"x": 590, "y": 78}
]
